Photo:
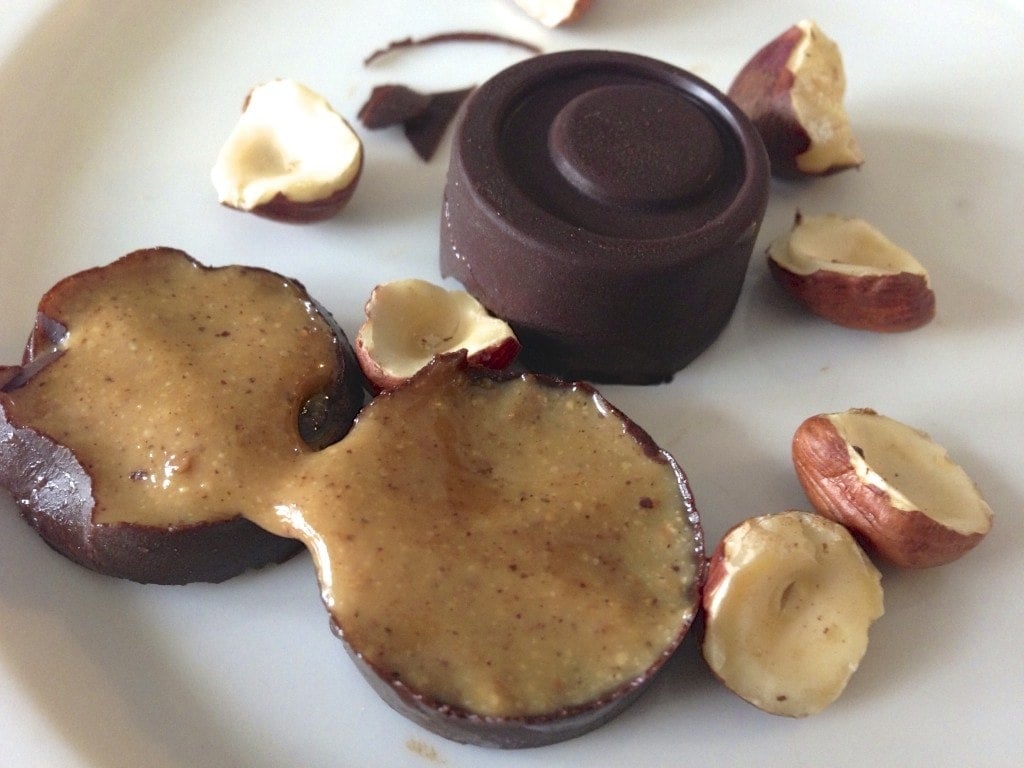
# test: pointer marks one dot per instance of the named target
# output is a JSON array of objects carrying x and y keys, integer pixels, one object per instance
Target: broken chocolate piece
[
  {"x": 425, "y": 117},
  {"x": 156, "y": 398},
  {"x": 392, "y": 104},
  {"x": 426, "y": 130}
]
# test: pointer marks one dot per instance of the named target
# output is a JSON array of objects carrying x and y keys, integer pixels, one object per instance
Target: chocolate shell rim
[
  {"x": 520, "y": 216},
  {"x": 512, "y": 732}
]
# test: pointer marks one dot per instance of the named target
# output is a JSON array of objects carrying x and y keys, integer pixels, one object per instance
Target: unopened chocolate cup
[{"x": 606, "y": 204}]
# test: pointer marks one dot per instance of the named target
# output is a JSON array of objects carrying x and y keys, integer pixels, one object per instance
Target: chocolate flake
[
  {"x": 392, "y": 104},
  {"x": 449, "y": 37},
  {"x": 426, "y": 130},
  {"x": 424, "y": 117}
]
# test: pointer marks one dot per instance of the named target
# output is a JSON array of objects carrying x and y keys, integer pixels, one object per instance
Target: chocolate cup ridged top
[{"x": 606, "y": 204}]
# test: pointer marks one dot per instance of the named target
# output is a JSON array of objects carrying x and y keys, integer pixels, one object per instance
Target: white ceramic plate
[{"x": 112, "y": 115}]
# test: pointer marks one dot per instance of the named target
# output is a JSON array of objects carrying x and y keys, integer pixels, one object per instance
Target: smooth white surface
[{"x": 113, "y": 115}]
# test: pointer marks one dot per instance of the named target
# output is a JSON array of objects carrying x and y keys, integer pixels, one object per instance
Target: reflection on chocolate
[{"x": 606, "y": 204}]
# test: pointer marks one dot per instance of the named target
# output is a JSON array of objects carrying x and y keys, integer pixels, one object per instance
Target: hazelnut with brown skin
[
  {"x": 290, "y": 157},
  {"x": 793, "y": 89},
  {"x": 554, "y": 13},
  {"x": 409, "y": 322},
  {"x": 845, "y": 270},
  {"x": 890, "y": 484}
]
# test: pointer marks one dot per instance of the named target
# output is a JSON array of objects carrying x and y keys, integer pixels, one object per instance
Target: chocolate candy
[{"x": 606, "y": 204}]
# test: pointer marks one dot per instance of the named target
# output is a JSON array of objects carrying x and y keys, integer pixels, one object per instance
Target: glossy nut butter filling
[
  {"x": 176, "y": 386},
  {"x": 510, "y": 549}
]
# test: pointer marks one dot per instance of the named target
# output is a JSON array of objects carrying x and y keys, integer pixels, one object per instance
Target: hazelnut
[
  {"x": 890, "y": 484},
  {"x": 290, "y": 156},
  {"x": 788, "y": 603},
  {"x": 845, "y": 270},
  {"x": 409, "y": 322},
  {"x": 554, "y": 13},
  {"x": 792, "y": 89}
]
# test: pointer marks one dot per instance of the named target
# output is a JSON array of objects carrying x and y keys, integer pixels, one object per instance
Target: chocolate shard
[
  {"x": 450, "y": 37},
  {"x": 424, "y": 116},
  {"x": 392, "y": 104},
  {"x": 426, "y": 130}
]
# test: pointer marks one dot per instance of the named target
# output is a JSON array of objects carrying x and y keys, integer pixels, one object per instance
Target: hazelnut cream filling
[
  {"x": 193, "y": 436},
  {"x": 509, "y": 548},
  {"x": 502, "y": 548}
]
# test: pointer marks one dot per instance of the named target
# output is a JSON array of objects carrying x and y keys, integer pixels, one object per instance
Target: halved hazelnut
[
  {"x": 554, "y": 13},
  {"x": 892, "y": 485},
  {"x": 788, "y": 603},
  {"x": 409, "y": 322},
  {"x": 845, "y": 270},
  {"x": 793, "y": 89},
  {"x": 290, "y": 157}
]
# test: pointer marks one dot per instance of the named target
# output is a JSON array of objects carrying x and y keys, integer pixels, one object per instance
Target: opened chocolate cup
[{"x": 606, "y": 204}]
